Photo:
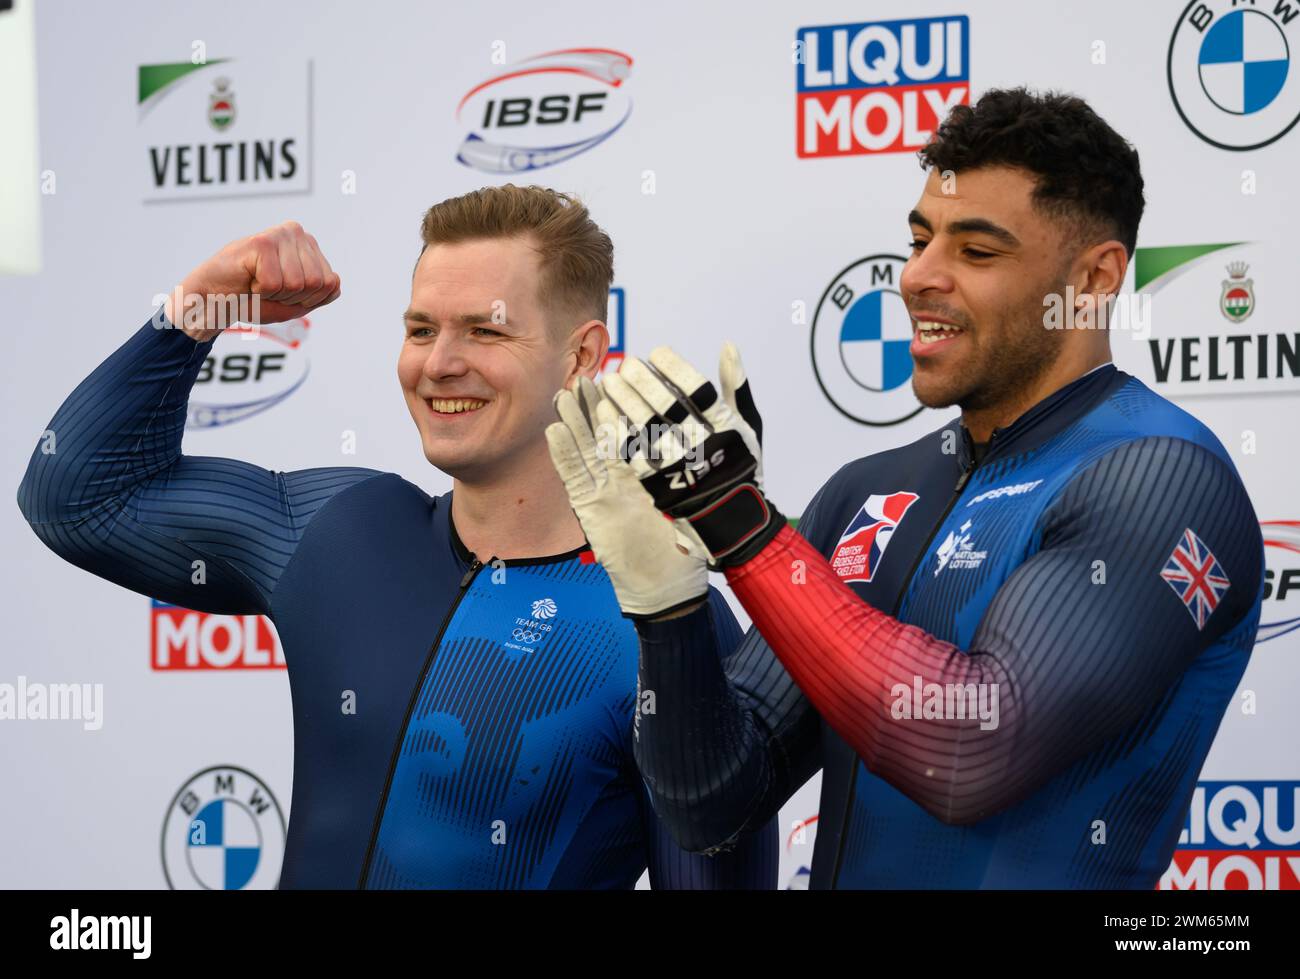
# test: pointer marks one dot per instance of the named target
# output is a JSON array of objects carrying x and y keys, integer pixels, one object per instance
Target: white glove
[
  {"x": 655, "y": 567},
  {"x": 699, "y": 455}
]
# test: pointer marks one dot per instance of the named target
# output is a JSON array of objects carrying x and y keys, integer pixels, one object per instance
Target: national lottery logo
[
  {"x": 544, "y": 110},
  {"x": 224, "y": 831},
  {"x": 958, "y": 551},
  {"x": 861, "y": 343},
  {"x": 1231, "y": 71},
  {"x": 880, "y": 87}
]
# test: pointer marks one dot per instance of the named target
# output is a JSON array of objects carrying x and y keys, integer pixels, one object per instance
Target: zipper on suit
[
  {"x": 849, "y": 796},
  {"x": 466, "y": 580}
]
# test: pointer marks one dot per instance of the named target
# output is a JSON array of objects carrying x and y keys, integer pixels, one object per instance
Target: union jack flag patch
[{"x": 1194, "y": 573}]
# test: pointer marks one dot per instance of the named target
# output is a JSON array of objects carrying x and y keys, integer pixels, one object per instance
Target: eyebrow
[
  {"x": 467, "y": 319},
  {"x": 981, "y": 226}
]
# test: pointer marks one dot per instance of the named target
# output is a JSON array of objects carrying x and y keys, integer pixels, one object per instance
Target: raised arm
[{"x": 108, "y": 489}]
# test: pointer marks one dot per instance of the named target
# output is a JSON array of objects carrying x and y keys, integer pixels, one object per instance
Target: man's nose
[
  {"x": 929, "y": 271},
  {"x": 445, "y": 357}
]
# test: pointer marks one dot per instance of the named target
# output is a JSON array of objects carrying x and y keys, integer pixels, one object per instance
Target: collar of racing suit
[
  {"x": 1044, "y": 419},
  {"x": 468, "y": 557}
]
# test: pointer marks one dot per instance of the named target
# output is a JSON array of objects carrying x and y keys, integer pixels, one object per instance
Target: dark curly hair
[{"x": 1087, "y": 174}]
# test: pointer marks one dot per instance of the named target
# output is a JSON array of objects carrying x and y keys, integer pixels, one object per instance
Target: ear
[
  {"x": 1100, "y": 270},
  {"x": 588, "y": 343}
]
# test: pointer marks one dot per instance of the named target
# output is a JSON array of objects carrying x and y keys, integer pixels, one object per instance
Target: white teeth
[
  {"x": 931, "y": 332},
  {"x": 455, "y": 406}
]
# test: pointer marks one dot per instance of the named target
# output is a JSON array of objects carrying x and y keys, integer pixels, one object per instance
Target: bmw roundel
[
  {"x": 861, "y": 342},
  {"x": 1232, "y": 74}
]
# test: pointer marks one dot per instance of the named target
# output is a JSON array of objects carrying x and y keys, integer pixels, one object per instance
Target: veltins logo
[
  {"x": 221, "y": 105},
  {"x": 861, "y": 340},
  {"x": 1281, "y": 612},
  {"x": 1231, "y": 74},
  {"x": 544, "y": 110},
  {"x": 224, "y": 128},
  {"x": 863, "y": 543},
  {"x": 224, "y": 830},
  {"x": 1238, "y": 299},
  {"x": 880, "y": 87},
  {"x": 1220, "y": 323},
  {"x": 1238, "y": 836}
]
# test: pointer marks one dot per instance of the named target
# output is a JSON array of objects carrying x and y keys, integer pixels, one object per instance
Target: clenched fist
[{"x": 282, "y": 266}]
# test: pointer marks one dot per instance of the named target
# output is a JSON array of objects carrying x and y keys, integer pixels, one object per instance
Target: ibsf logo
[
  {"x": 880, "y": 87},
  {"x": 861, "y": 343},
  {"x": 1238, "y": 836},
  {"x": 244, "y": 379},
  {"x": 1281, "y": 612},
  {"x": 1230, "y": 74},
  {"x": 863, "y": 543},
  {"x": 544, "y": 110},
  {"x": 182, "y": 639},
  {"x": 224, "y": 831}
]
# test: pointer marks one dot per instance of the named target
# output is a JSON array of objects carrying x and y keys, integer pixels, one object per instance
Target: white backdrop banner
[{"x": 754, "y": 164}]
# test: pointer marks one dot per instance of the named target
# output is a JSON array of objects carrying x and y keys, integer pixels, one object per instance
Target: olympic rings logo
[{"x": 525, "y": 635}]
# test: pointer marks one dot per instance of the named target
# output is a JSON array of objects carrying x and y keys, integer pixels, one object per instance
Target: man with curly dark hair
[{"x": 1007, "y": 645}]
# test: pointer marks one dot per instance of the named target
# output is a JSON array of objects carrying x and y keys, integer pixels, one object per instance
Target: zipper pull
[
  {"x": 473, "y": 570},
  {"x": 964, "y": 478}
]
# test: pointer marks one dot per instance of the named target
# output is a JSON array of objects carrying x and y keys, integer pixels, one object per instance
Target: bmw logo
[
  {"x": 1231, "y": 75},
  {"x": 861, "y": 340}
]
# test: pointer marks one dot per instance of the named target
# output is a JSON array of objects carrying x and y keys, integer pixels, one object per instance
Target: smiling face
[
  {"x": 480, "y": 362},
  {"x": 983, "y": 259}
]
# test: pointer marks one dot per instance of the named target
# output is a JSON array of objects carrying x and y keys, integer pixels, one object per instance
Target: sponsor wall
[{"x": 167, "y": 132}]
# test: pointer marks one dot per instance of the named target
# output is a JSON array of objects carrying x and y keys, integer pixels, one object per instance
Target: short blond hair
[{"x": 575, "y": 257}]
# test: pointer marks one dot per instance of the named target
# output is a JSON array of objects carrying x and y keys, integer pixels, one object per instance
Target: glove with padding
[
  {"x": 655, "y": 567},
  {"x": 698, "y": 455}
]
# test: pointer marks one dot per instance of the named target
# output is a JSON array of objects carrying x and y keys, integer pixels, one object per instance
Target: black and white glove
[
  {"x": 655, "y": 566},
  {"x": 697, "y": 454}
]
